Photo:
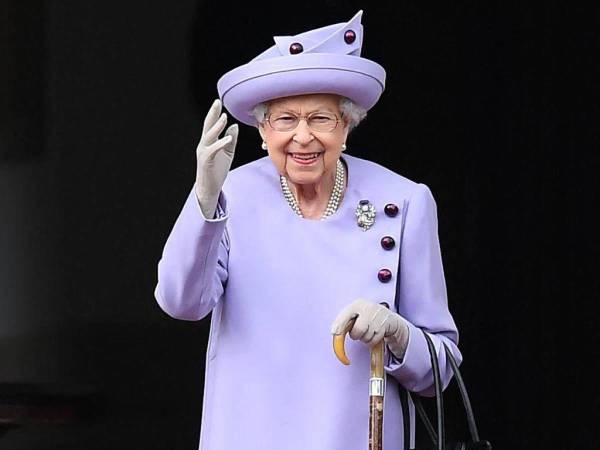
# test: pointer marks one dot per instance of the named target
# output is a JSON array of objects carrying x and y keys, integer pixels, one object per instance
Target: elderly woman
[{"x": 288, "y": 249}]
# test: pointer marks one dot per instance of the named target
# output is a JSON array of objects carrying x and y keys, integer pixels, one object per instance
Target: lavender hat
[{"x": 323, "y": 60}]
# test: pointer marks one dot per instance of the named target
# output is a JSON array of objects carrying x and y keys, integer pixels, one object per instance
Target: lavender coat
[{"x": 275, "y": 282}]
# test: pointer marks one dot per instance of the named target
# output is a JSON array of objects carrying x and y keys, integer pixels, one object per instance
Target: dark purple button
[
  {"x": 296, "y": 48},
  {"x": 391, "y": 210},
  {"x": 384, "y": 275},
  {"x": 349, "y": 36},
  {"x": 387, "y": 242}
]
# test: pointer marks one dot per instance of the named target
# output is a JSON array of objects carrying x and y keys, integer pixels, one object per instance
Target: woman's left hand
[{"x": 373, "y": 323}]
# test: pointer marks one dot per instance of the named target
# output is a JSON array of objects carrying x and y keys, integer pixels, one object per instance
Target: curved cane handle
[{"x": 339, "y": 340}]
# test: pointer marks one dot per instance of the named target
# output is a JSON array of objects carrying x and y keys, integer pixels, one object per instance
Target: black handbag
[{"x": 437, "y": 434}]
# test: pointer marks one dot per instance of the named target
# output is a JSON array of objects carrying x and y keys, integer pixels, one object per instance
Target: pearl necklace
[{"x": 334, "y": 199}]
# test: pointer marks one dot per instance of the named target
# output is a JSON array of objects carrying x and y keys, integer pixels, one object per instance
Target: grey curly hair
[{"x": 351, "y": 112}]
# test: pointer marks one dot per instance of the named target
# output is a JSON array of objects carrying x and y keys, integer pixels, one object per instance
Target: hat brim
[{"x": 242, "y": 88}]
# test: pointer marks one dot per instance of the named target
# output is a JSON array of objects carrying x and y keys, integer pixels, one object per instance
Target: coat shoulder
[{"x": 376, "y": 176}]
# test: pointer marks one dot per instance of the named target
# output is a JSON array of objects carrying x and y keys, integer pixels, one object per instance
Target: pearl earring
[
  {"x": 264, "y": 145},
  {"x": 343, "y": 147}
]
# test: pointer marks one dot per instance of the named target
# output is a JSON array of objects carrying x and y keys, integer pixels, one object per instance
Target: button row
[{"x": 387, "y": 243}]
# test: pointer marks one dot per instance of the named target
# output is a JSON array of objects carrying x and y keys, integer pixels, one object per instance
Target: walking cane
[{"x": 376, "y": 384}]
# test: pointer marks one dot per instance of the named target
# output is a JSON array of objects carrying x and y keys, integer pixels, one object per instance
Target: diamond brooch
[{"x": 365, "y": 214}]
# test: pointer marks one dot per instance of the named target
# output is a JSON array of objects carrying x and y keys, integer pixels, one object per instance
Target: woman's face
[{"x": 287, "y": 147}]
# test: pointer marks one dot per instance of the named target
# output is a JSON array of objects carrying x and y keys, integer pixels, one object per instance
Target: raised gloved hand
[
  {"x": 374, "y": 322},
  {"x": 214, "y": 157}
]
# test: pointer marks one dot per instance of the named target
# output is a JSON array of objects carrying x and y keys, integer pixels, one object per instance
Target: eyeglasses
[{"x": 322, "y": 122}]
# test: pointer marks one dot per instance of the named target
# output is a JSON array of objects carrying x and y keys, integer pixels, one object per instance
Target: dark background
[{"x": 492, "y": 104}]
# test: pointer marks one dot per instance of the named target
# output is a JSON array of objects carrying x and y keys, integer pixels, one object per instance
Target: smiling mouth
[
  {"x": 305, "y": 156},
  {"x": 305, "y": 159}
]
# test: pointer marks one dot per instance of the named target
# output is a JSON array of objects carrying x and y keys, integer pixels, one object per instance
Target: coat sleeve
[
  {"x": 192, "y": 273},
  {"x": 422, "y": 298}
]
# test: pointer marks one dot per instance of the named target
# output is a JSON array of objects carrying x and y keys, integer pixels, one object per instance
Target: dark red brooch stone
[
  {"x": 391, "y": 210},
  {"x": 349, "y": 36},
  {"x": 296, "y": 48},
  {"x": 387, "y": 242},
  {"x": 384, "y": 275}
]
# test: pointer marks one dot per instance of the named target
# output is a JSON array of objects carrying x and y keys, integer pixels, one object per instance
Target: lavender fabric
[
  {"x": 275, "y": 282},
  {"x": 329, "y": 62}
]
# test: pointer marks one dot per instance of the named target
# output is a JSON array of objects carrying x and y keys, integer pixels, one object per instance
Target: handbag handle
[
  {"x": 439, "y": 437},
  {"x": 439, "y": 398},
  {"x": 464, "y": 395}
]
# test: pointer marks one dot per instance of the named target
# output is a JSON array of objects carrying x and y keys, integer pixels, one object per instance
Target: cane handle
[{"x": 339, "y": 340}]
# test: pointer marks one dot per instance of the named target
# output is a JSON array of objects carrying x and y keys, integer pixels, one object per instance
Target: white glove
[
  {"x": 214, "y": 158},
  {"x": 374, "y": 322}
]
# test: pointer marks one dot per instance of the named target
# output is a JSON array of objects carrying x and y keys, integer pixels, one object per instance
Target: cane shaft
[{"x": 376, "y": 394}]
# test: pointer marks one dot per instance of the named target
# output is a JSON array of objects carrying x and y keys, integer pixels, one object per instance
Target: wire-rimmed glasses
[{"x": 322, "y": 122}]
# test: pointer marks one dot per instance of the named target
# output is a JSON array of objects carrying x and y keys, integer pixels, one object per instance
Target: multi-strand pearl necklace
[{"x": 334, "y": 199}]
